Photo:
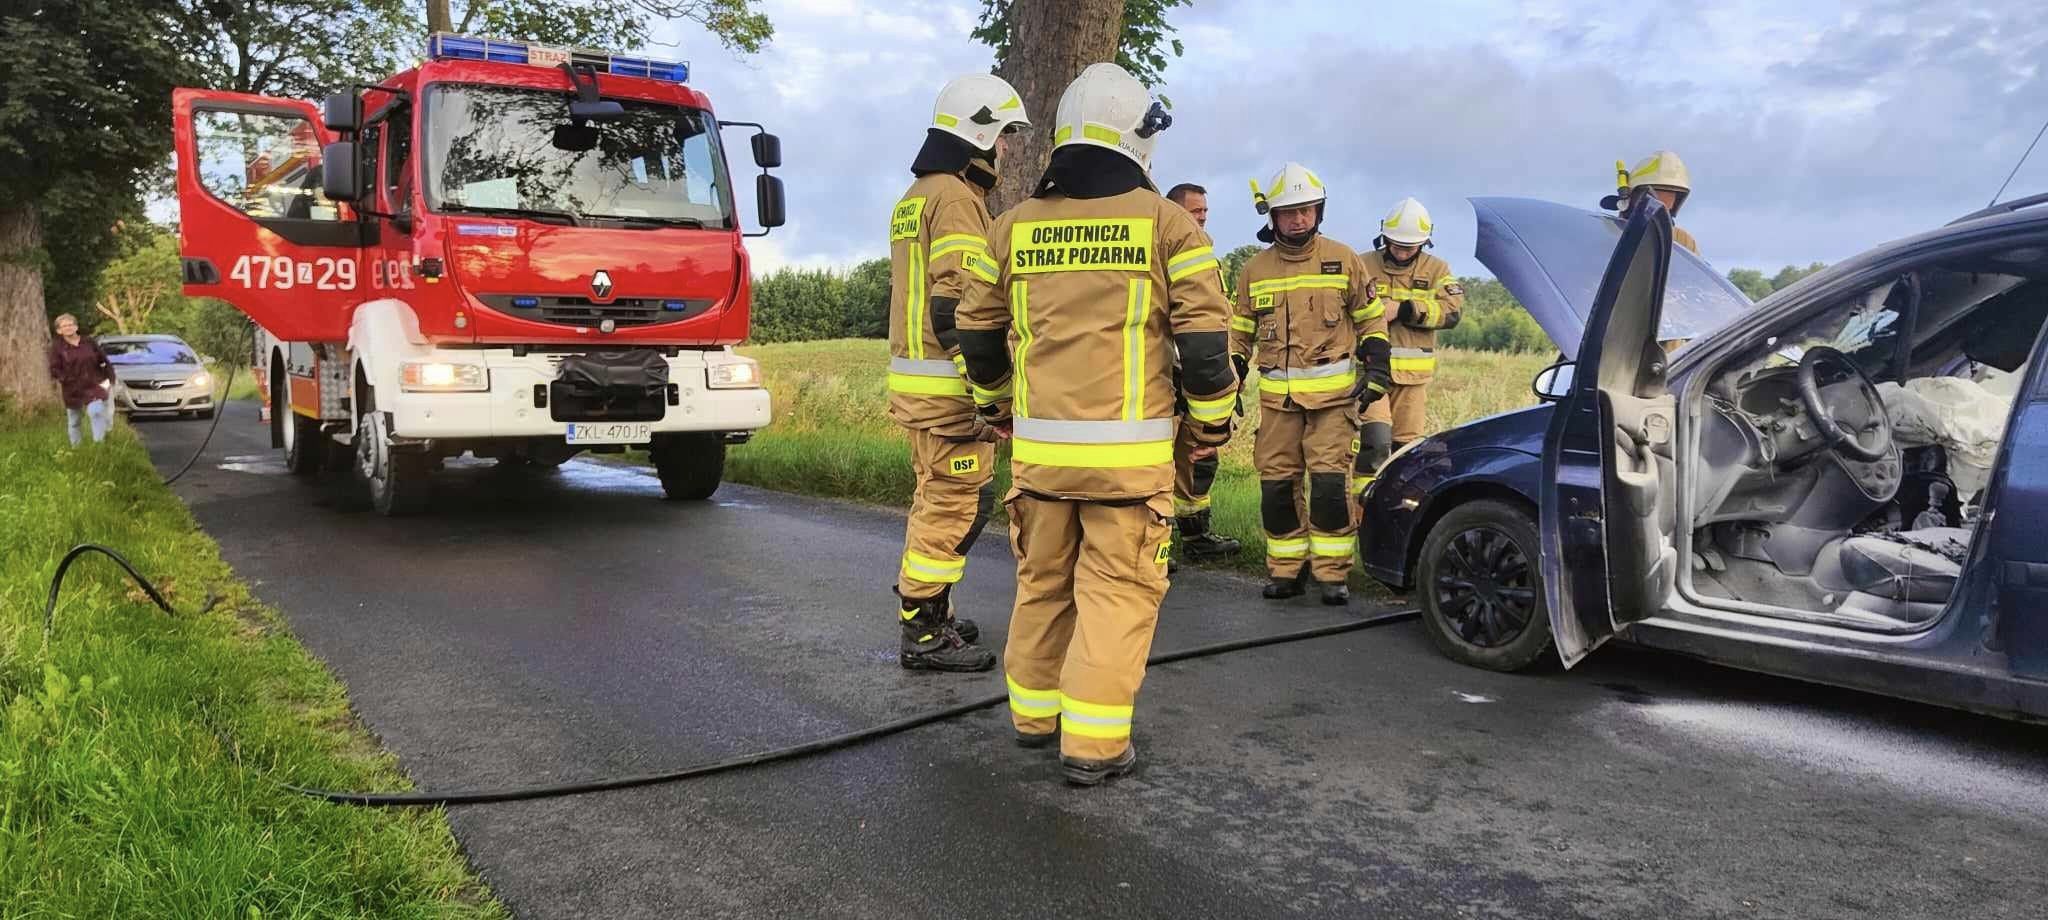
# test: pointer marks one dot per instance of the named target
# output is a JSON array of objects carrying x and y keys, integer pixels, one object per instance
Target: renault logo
[{"x": 601, "y": 285}]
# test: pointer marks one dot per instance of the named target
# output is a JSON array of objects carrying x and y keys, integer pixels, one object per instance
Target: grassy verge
[
  {"x": 140, "y": 754},
  {"x": 832, "y": 435}
]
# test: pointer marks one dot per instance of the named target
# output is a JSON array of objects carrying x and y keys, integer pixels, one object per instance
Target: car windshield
[
  {"x": 148, "y": 352},
  {"x": 500, "y": 150}
]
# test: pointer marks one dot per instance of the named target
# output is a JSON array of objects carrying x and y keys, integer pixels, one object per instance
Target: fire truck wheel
[
  {"x": 690, "y": 465},
  {"x": 302, "y": 442},
  {"x": 398, "y": 480}
]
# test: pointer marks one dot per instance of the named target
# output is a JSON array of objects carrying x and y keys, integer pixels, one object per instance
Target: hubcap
[
  {"x": 1485, "y": 587},
  {"x": 371, "y": 446}
]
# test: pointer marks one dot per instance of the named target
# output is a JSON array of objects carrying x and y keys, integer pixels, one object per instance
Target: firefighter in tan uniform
[
  {"x": 1305, "y": 315},
  {"x": 1667, "y": 178},
  {"x": 1101, "y": 280},
  {"x": 1422, "y": 297},
  {"x": 1194, "y": 466},
  {"x": 937, "y": 242}
]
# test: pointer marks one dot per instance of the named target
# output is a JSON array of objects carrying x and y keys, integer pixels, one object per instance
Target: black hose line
[
  {"x": 810, "y": 748},
  {"x": 796, "y": 752},
  {"x": 64, "y": 565},
  {"x": 219, "y": 409}
]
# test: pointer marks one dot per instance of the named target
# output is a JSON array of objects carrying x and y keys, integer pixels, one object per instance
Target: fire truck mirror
[
  {"x": 340, "y": 175},
  {"x": 343, "y": 112},
  {"x": 767, "y": 151},
  {"x": 768, "y": 196},
  {"x": 599, "y": 110}
]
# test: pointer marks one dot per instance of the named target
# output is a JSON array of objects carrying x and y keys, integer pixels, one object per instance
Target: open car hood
[{"x": 1551, "y": 258}]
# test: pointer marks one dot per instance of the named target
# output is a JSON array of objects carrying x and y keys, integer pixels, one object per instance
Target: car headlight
[
  {"x": 742, "y": 374},
  {"x": 201, "y": 379},
  {"x": 442, "y": 377}
]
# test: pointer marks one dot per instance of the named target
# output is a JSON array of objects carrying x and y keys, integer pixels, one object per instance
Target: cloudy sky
[{"x": 1812, "y": 130}]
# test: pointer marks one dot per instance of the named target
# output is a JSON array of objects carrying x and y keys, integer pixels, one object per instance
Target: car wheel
[
  {"x": 690, "y": 465},
  {"x": 1480, "y": 590}
]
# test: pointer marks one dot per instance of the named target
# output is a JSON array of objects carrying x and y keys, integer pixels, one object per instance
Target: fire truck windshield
[{"x": 496, "y": 150}]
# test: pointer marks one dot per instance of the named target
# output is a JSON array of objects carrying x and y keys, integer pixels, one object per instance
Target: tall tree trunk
[
  {"x": 24, "y": 329},
  {"x": 1051, "y": 42},
  {"x": 438, "y": 17}
]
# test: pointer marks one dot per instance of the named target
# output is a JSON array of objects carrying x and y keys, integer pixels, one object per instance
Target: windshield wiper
[
  {"x": 650, "y": 223},
  {"x": 565, "y": 218}
]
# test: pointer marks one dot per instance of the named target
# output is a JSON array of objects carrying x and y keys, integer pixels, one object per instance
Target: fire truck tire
[
  {"x": 301, "y": 437},
  {"x": 690, "y": 465}
]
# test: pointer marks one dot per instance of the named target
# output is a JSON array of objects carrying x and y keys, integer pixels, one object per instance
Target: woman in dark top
[{"x": 82, "y": 371}]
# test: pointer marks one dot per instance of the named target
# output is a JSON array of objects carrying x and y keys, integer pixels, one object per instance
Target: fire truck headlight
[
  {"x": 442, "y": 377},
  {"x": 740, "y": 374}
]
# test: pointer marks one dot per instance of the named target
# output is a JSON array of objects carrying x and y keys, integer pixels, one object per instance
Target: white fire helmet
[
  {"x": 978, "y": 108},
  {"x": 1662, "y": 169},
  {"x": 1107, "y": 107},
  {"x": 1293, "y": 186},
  {"x": 1407, "y": 224}
]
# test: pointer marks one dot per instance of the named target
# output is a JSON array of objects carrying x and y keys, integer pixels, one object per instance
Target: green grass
[
  {"x": 832, "y": 434},
  {"x": 140, "y": 754}
]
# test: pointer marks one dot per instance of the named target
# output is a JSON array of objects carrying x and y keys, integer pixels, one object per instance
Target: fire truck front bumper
[{"x": 501, "y": 393}]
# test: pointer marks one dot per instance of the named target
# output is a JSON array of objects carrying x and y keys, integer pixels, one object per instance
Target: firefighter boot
[
  {"x": 1278, "y": 588},
  {"x": 1198, "y": 543},
  {"x": 932, "y": 643},
  {"x": 1081, "y": 772},
  {"x": 1336, "y": 593}
]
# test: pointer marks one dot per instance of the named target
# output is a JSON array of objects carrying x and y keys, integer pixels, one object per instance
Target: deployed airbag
[{"x": 1961, "y": 416}]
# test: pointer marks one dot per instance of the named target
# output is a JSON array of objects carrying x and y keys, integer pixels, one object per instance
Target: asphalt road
[{"x": 537, "y": 628}]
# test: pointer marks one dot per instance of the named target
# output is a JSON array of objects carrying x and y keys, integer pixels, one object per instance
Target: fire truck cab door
[{"x": 253, "y": 226}]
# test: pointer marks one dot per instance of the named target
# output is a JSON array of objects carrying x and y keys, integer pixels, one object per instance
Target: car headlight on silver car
[
  {"x": 736, "y": 374},
  {"x": 201, "y": 379},
  {"x": 442, "y": 377}
]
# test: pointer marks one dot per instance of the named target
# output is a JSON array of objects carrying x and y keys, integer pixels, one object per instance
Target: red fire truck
[{"x": 513, "y": 251}]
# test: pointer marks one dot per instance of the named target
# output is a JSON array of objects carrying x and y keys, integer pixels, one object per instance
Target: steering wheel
[{"x": 1868, "y": 440}]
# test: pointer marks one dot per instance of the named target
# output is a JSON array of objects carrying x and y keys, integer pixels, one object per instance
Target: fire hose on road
[{"x": 760, "y": 758}]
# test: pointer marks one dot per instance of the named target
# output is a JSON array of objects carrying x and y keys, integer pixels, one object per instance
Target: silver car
[{"x": 158, "y": 374}]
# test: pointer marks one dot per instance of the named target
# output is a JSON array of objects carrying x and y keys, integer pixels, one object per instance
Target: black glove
[
  {"x": 1244, "y": 367},
  {"x": 1406, "y": 314},
  {"x": 1370, "y": 390}
]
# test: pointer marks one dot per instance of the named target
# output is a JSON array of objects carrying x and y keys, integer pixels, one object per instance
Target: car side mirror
[
  {"x": 767, "y": 151},
  {"x": 1554, "y": 383},
  {"x": 768, "y": 198},
  {"x": 340, "y": 180},
  {"x": 343, "y": 112}
]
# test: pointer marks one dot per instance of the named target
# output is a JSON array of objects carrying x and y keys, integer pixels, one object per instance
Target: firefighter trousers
[
  {"x": 1314, "y": 526},
  {"x": 954, "y": 496},
  {"x": 1090, "y": 576},
  {"x": 1402, "y": 408},
  {"x": 1192, "y": 479}
]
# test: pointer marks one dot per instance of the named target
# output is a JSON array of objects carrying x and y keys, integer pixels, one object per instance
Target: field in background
[{"x": 832, "y": 435}]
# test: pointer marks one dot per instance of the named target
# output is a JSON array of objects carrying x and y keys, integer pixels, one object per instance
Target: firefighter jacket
[
  {"x": 1306, "y": 318},
  {"x": 1434, "y": 300},
  {"x": 937, "y": 241},
  {"x": 1075, "y": 342}
]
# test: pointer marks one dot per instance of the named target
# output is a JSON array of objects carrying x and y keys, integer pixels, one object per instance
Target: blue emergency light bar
[{"x": 444, "y": 46}]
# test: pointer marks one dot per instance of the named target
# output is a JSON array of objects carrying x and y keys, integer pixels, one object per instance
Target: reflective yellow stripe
[
  {"x": 1180, "y": 273},
  {"x": 1094, "y": 720},
  {"x": 1137, "y": 298},
  {"x": 1091, "y": 456},
  {"x": 1358, "y": 483},
  {"x": 1296, "y": 282},
  {"x": 1019, "y": 301},
  {"x": 920, "y": 567},
  {"x": 909, "y": 614},
  {"x": 1091, "y": 131},
  {"x": 1333, "y": 546},
  {"x": 1190, "y": 255},
  {"x": 1373, "y": 309},
  {"x": 986, "y": 397},
  {"x": 958, "y": 242},
  {"x": 927, "y": 386},
  {"x": 981, "y": 265},
  {"x": 1211, "y": 410},
  {"x": 1287, "y": 548},
  {"x": 1412, "y": 365},
  {"x": 1187, "y": 506},
  {"x": 1373, "y": 335},
  {"x": 913, "y": 312},
  {"x": 1283, "y": 385},
  {"x": 1034, "y": 704},
  {"x": 1244, "y": 324},
  {"x": 946, "y": 120}
]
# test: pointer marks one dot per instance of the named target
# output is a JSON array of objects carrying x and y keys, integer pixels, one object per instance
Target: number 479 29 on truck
[{"x": 509, "y": 250}]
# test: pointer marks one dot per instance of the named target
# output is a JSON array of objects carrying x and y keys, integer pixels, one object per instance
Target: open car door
[
  {"x": 1607, "y": 558},
  {"x": 253, "y": 227}
]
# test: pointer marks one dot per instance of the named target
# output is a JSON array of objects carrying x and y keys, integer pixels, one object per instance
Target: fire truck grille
[{"x": 582, "y": 311}]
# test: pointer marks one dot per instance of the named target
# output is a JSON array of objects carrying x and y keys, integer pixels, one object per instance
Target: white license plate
[{"x": 611, "y": 432}]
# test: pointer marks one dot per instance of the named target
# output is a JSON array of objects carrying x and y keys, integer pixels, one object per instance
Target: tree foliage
[
  {"x": 605, "y": 24},
  {"x": 1142, "y": 49},
  {"x": 804, "y": 304},
  {"x": 1233, "y": 264},
  {"x": 1757, "y": 286},
  {"x": 300, "y": 49},
  {"x": 144, "y": 279},
  {"x": 1495, "y": 321}
]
